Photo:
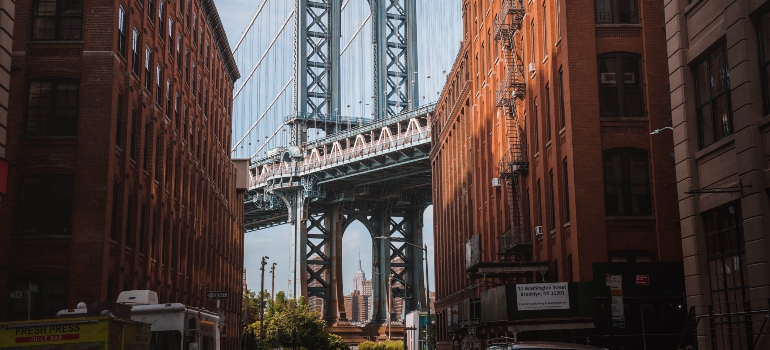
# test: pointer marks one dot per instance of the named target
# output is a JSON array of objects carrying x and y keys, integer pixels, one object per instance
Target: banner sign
[
  {"x": 615, "y": 282},
  {"x": 542, "y": 296}
]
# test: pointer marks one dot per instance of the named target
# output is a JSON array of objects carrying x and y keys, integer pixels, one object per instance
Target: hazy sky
[{"x": 436, "y": 59}]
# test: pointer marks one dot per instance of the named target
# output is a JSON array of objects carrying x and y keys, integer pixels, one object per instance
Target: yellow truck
[{"x": 82, "y": 333}]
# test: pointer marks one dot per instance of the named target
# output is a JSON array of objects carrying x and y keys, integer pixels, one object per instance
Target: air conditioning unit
[
  {"x": 539, "y": 230},
  {"x": 608, "y": 78},
  {"x": 495, "y": 182},
  {"x": 532, "y": 67}
]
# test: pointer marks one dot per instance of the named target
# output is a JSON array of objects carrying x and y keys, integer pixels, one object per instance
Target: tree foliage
[{"x": 291, "y": 324}]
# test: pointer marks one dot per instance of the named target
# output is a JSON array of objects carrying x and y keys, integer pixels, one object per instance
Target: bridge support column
[{"x": 381, "y": 264}]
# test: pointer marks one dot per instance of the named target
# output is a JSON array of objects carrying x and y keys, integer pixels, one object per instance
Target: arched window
[
  {"x": 627, "y": 182},
  {"x": 620, "y": 85}
]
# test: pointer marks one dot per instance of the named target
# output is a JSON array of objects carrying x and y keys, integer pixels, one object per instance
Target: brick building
[
  {"x": 542, "y": 148},
  {"x": 357, "y": 307},
  {"x": 719, "y": 71},
  {"x": 7, "y": 14},
  {"x": 120, "y": 175}
]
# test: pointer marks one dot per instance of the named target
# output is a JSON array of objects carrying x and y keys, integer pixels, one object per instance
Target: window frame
[
  {"x": 708, "y": 60},
  {"x": 621, "y": 87},
  {"x": 53, "y": 107},
  {"x": 64, "y": 207},
  {"x": 57, "y": 18},
  {"x": 122, "y": 35},
  {"x": 615, "y": 13},
  {"x": 565, "y": 177},
  {"x": 625, "y": 183},
  {"x": 135, "y": 60}
]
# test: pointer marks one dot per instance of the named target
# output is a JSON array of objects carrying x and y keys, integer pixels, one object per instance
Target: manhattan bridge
[{"x": 334, "y": 112}]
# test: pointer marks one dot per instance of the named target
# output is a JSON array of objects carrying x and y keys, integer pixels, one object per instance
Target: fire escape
[{"x": 516, "y": 243}]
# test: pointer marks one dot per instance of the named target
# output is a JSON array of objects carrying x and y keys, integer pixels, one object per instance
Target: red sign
[
  {"x": 3, "y": 177},
  {"x": 47, "y": 338},
  {"x": 643, "y": 280}
]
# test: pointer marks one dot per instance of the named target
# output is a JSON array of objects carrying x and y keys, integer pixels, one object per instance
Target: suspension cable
[
  {"x": 246, "y": 134},
  {"x": 265, "y": 54},
  {"x": 253, "y": 19}
]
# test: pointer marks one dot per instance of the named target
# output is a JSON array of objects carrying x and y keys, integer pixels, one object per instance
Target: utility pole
[
  {"x": 427, "y": 297},
  {"x": 261, "y": 303},
  {"x": 272, "y": 284}
]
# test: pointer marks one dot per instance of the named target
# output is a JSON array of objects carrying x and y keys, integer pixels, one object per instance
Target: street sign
[
  {"x": 19, "y": 294},
  {"x": 469, "y": 323},
  {"x": 217, "y": 295},
  {"x": 34, "y": 288}
]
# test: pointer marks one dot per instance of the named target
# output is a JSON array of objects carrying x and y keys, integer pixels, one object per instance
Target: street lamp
[
  {"x": 261, "y": 303},
  {"x": 657, "y": 131},
  {"x": 427, "y": 281}
]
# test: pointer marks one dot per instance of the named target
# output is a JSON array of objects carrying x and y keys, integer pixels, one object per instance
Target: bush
[{"x": 386, "y": 345}]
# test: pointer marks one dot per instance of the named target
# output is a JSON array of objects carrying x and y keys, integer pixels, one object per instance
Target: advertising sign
[
  {"x": 615, "y": 282},
  {"x": 39, "y": 334},
  {"x": 542, "y": 296}
]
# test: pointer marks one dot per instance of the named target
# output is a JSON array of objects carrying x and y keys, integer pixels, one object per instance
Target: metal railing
[
  {"x": 514, "y": 160},
  {"x": 520, "y": 238},
  {"x": 325, "y": 118},
  {"x": 737, "y": 325},
  {"x": 267, "y": 172}
]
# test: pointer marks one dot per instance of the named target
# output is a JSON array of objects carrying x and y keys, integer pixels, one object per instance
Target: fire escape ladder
[{"x": 517, "y": 242}]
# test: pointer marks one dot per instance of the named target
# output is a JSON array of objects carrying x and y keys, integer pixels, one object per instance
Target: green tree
[{"x": 291, "y": 324}]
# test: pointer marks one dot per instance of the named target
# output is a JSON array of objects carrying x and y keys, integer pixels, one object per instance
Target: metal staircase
[{"x": 516, "y": 243}]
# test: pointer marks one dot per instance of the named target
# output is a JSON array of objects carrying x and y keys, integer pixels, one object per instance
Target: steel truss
[{"x": 395, "y": 56}]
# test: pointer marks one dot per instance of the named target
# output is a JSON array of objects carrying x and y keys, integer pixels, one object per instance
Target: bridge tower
[{"x": 317, "y": 218}]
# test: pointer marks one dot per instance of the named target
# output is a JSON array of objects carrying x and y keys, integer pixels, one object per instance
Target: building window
[
  {"x": 135, "y": 52},
  {"x": 195, "y": 33},
  {"x": 620, "y": 86},
  {"x": 726, "y": 255},
  {"x": 147, "y": 147},
  {"x": 179, "y": 51},
  {"x": 539, "y": 219},
  {"x": 532, "y": 41},
  {"x": 121, "y": 31},
  {"x": 57, "y": 19},
  {"x": 48, "y": 196},
  {"x": 159, "y": 86},
  {"x": 53, "y": 107},
  {"x": 168, "y": 99},
  {"x": 129, "y": 237},
  {"x": 712, "y": 80},
  {"x": 565, "y": 175},
  {"x": 147, "y": 65},
  {"x": 536, "y": 121},
  {"x": 114, "y": 222},
  {"x": 151, "y": 10},
  {"x": 120, "y": 121},
  {"x": 764, "y": 44},
  {"x": 135, "y": 130},
  {"x": 570, "y": 271},
  {"x": 627, "y": 182},
  {"x": 558, "y": 20},
  {"x": 616, "y": 11},
  {"x": 548, "y": 111},
  {"x": 562, "y": 116},
  {"x": 632, "y": 256},
  {"x": 143, "y": 229},
  {"x": 161, "y": 14},
  {"x": 552, "y": 204},
  {"x": 170, "y": 37},
  {"x": 545, "y": 31}
]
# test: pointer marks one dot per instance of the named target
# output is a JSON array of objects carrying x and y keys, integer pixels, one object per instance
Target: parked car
[{"x": 507, "y": 344}]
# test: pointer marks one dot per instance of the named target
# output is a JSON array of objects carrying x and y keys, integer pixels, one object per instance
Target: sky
[{"x": 435, "y": 60}]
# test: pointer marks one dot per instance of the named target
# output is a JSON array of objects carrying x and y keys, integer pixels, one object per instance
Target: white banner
[{"x": 542, "y": 296}]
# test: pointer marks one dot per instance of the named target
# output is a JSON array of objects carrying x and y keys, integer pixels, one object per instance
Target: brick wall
[
  {"x": 470, "y": 139},
  {"x": 175, "y": 165}
]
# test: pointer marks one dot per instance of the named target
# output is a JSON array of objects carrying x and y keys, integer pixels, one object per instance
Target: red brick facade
[
  {"x": 149, "y": 179},
  {"x": 470, "y": 139}
]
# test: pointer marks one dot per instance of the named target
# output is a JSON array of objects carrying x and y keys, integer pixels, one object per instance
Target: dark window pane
[
  {"x": 57, "y": 19},
  {"x": 627, "y": 12},
  {"x": 49, "y": 197},
  {"x": 627, "y": 182},
  {"x": 52, "y": 108},
  {"x": 707, "y": 126},
  {"x": 604, "y": 11}
]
